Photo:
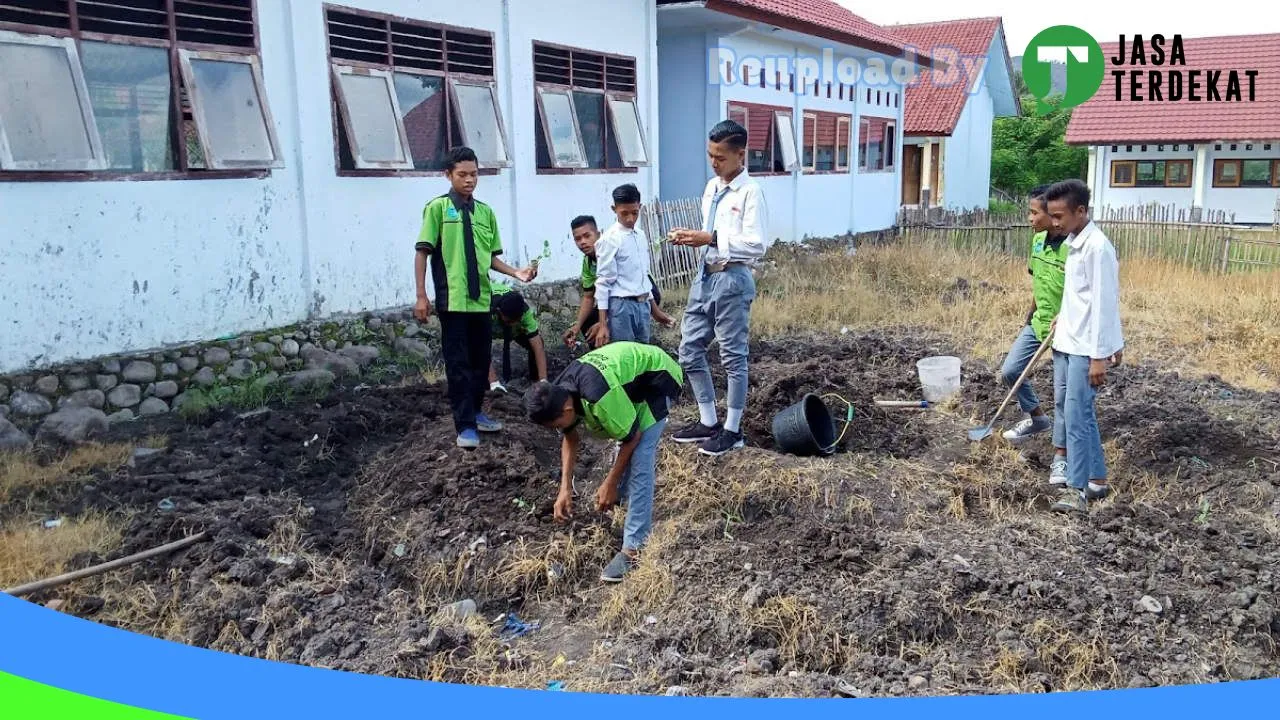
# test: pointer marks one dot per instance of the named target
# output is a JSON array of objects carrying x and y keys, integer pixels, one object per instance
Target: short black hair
[
  {"x": 626, "y": 194},
  {"x": 544, "y": 402},
  {"x": 583, "y": 220},
  {"x": 511, "y": 305},
  {"x": 1074, "y": 191},
  {"x": 458, "y": 155},
  {"x": 1038, "y": 191},
  {"x": 730, "y": 133}
]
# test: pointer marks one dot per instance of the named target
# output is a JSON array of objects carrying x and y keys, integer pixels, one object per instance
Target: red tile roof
[
  {"x": 934, "y": 109},
  {"x": 1103, "y": 120},
  {"x": 820, "y": 18}
]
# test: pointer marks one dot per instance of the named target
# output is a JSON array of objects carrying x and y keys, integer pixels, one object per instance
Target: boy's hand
[
  {"x": 570, "y": 336},
  {"x": 692, "y": 238},
  {"x": 664, "y": 319},
  {"x": 527, "y": 275},
  {"x": 601, "y": 335},
  {"x": 1097, "y": 373},
  {"x": 1117, "y": 358},
  {"x": 606, "y": 496},
  {"x": 564, "y": 506},
  {"x": 422, "y": 310}
]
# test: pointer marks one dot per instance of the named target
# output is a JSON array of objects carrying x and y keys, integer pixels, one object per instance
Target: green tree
[{"x": 1029, "y": 150}]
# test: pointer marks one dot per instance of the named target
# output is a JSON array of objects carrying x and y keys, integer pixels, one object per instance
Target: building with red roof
[{"x": 1189, "y": 153}]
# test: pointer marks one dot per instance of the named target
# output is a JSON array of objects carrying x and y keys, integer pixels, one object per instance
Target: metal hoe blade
[{"x": 979, "y": 434}]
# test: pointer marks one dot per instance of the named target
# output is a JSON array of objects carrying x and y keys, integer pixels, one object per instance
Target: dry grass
[
  {"x": 1179, "y": 318},
  {"x": 25, "y": 470},
  {"x": 30, "y": 552}
]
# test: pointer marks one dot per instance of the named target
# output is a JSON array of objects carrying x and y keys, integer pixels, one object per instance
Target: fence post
[{"x": 1226, "y": 253}]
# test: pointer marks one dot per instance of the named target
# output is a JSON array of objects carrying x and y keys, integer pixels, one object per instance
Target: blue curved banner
[{"x": 54, "y": 665}]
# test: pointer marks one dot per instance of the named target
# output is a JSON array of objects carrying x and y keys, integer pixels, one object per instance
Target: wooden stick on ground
[{"x": 65, "y": 578}]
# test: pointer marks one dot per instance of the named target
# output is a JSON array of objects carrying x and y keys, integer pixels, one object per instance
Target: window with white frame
[
  {"x": 405, "y": 91},
  {"x": 90, "y": 89},
  {"x": 823, "y": 142},
  {"x": 771, "y": 138},
  {"x": 587, "y": 111},
  {"x": 877, "y": 141}
]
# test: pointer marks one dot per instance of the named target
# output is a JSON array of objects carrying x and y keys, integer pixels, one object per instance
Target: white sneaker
[
  {"x": 1058, "y": 471},
  {"x": 1028, "y": 427}
]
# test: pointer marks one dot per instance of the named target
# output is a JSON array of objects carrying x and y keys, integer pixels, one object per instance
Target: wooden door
[{"x": 911, "y": 157}]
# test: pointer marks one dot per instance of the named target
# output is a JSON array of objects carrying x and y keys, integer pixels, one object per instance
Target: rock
[
  {"x": 12, "y": 439},
  {"x": 330, "y": 345},
  {"x": 121, "y": 416},
  {"x": 763, "y": 662},
  {"x": 188, "y": 364},
  {"x": 305, "y": 347},
  {"x": 308, "y": 379},
  {"x": 339, "y": 365},
  {"x": 277, "y": 363},
  {"x": 205, "y": 377},
  {"x": 300, "y": 336},
  {"x": 241, "y": 369},
  {"x": 166, "y": 389},
  {"x": 1242, "y": 598},
  {"x": 153, "y": 406},
  {"x": 25, "y": 404},
  {"x": 417, "y": 348},
  {"x": 676, "y": 691},
  {"x": 374, "y": 323},
  {"x": 178, "y": 402},
  {"x": 217, "y": 356},
  {"x": 618, "y": 673},
  {"x": 264, "y": 348},
  {"x": 289, "y": 348},
  {"x": 460, "y": 610},
  {"x": 275, "y": 340},
  {"x": 84, "y": 398},
  {"x": 364, "y": 355},
  {"x": 918, "y": 682},
  {"x": 125, "y": 396},
  {"x": 75, "y": 383},
  {"x": 111, "y": 366},
  {"x": 244, "y": 353},
  {"x": 73, "y": 425},
  {"x": 753, "y": 597},
  {"x": 143, "y": 453},
  {"x": 1007, "y": 635},
  {"x": 106, "y": 382},
  {"x": 1150, "y": 604},
  {"x": 47, "y": 385},
  {"x": 4, "y": 392},
  {"x": 139, "y": 372},
  {"x": 170, "y": 370}
]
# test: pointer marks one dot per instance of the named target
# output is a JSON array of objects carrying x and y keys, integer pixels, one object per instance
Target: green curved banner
[{"x": 22, "y": 699}]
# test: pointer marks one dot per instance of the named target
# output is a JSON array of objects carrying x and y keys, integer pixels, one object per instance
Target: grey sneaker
[
  {"x": 486, "y": 424},
  {"x": 618, "y": 567},
  {"x": 1058, "y": 471},
  {"x": 1097, "y": 492},
  {"x": 1070, "y": 500},
  {"x": 1028, "y": 427}
]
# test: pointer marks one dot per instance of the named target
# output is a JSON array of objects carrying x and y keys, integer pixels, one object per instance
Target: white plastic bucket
[{"x": 940, "y": 377}]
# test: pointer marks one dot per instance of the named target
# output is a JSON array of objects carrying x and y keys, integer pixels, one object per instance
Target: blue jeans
[
  {"x": 1024, "y": 348},
  {"x": 719, "y": 308},
  {"x": 637, "y": 487},
  {"x": 1075, "y": 420},
  {"x": 629, "y": 320}
]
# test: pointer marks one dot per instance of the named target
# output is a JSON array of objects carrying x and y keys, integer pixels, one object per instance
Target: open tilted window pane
[
  {"x": 481, "y": 121},
  {"x": 131, "y": 92},
  {"x": 46, "y": 120},
  {"x": 422, "y": 112},
  {"x": 232, "y": 117},
  {"x": 786, "y": 141},
  {"x": 629, "y": 132},
  {"x": 371, "y": 116},
  {"x": 842, "y": 144},
  {"x": 560, "y": 123}
]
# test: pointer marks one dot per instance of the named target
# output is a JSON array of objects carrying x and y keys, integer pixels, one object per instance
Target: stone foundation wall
[{"x": 123, "y": 387}]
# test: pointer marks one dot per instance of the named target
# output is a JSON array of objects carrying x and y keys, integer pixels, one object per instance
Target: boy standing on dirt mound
[
  {"x": 622, "y": 392},
  {"x": 1046, "y": 264},
  {"x": 460, "y": 240},
  {"x": 585, "y": 236},
  {"x": 514, "y": 321},
  {"x": 734, "y": 237},
  {"x": 1087, "y": 339}
]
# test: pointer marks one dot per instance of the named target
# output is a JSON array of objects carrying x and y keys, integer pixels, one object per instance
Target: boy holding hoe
[{"x": 460, "y": 241}]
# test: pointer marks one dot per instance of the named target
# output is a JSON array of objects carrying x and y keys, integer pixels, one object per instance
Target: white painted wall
[
  {"x": 94, "y": 268},
  {"x": 966, "y": 164},
  {"x": 1250, "y": 205}
]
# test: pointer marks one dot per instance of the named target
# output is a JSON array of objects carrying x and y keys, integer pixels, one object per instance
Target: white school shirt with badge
[
  {"x": 741, "y": 222},
  {"x": 1089, "y": 321}
]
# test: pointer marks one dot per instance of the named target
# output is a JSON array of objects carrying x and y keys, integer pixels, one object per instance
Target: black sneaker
[
  {"x": 696, "y": 432},
  {"x": 723, "y": 443}
]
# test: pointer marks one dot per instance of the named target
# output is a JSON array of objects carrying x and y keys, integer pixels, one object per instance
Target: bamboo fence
[{"x": 671, "y": 265}]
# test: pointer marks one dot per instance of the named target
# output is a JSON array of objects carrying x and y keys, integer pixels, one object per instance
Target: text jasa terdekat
[{"x": 1160, "y": 85}]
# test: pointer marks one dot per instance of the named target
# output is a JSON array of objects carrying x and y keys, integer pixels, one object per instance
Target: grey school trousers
[{"x": 719, "y": 307}]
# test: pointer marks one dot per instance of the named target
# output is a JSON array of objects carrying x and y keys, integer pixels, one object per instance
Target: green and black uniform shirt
[
  {"x": 462, "y": 238},
  {"x": 588, "y": 276},
  {"x": 623, "y": 388},
  {"x": 525, "y": 328},
  {"x": 1047, "y": 265}
]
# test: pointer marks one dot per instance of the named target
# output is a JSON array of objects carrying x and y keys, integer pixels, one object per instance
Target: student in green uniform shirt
[
  {"x": 515, "y": 321},
  {"x": 460, "y": 241},
  {"x": 621, "y": 392},
  {"x": 1046, "y": 264},
  {"x": 585, "y": 234}
]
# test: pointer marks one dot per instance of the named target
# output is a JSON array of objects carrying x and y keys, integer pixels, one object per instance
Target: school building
[{"x": 1192, "y": 156}]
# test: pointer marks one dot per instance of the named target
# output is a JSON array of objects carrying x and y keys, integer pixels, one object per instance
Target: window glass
[
  {"x": 480, "y": 123},
  {"x": 235, "y": 126},
  {"x": 422, "y": 108},
  {"x": 1256, "y": 173},
  {"x": 40, "y": 107},
  {"x": 130, "y": 89},
  {"x": 557, "y": 107},
  {"x": 591, "y": 122},
  {"x": 626, "y": 124},
  {"x": 786, "y": 141},
  {"x": 372, "y": 117}
]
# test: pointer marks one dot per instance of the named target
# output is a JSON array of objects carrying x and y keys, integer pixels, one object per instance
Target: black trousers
[
  {"x": 465, "y": 341},
  {"x": 506, "y": 358}
]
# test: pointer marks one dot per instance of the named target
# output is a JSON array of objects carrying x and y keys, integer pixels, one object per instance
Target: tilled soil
[{"x": 910, "y": 562}]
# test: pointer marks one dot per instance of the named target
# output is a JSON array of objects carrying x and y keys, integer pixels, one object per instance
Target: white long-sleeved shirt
[
  {"x": 622, "y": 264},
  {"x": 1089, "y": 321},
  {"x": 742, "y": 220}
]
